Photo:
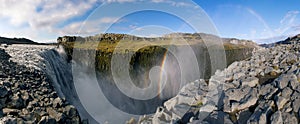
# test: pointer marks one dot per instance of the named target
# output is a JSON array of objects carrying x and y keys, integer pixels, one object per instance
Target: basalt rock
[
  {"x": 26, "y": 93},
  {"x": 261, "y": 89}
]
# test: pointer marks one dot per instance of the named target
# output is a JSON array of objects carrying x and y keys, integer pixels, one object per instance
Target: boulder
[
  {"x": 276, "y": 118},
  {"x": 281, "y": 101},
  {"x": 47, "y": 120},
  {"x": 218, "y": 117},
  {"x": 3, "y": 91},
  {"x": 8, "y": 120},
  {"x": 296, "y": 105},
  {"x": 243, "y": 116},
  {"x": 283, "y": 117},
  {"x": 250, "y": 81},
  {"x": 59, "y": 117},
  {"x": 258, "y": 117},
  {"x": 162, "y": 116},
  {"x": 283, "y": 80},
  {"x": 16, "y": 102},
  {"x": 57, "y": 102},
  {"x": 267, "y": 91},
  {"x": 239, "y": 99},
  {"x": 71, "y": 111},
  {"x": 286, "y": 93}
]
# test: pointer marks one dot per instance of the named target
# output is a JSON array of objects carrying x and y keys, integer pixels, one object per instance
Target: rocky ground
[
  {"x": 26, "y": 94},
  {"x": 262, "y": 89}
]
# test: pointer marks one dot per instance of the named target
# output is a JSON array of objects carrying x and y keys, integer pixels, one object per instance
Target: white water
[
  {"x": 97, "y": 99},
  {"x": 60, "y": 73}
]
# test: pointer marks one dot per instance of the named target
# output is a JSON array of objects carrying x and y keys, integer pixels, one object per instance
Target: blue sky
[{"x": 263, "y": 21}]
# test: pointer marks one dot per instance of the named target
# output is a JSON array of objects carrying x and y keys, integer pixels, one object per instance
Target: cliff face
[{"x": 147, "y": 57}]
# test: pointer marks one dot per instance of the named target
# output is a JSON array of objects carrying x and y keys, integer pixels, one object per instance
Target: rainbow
[{"x": 162, "y": 67}]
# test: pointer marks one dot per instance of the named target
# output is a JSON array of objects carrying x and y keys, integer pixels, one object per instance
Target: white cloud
[
  {"x": 118, "y": 1},
  {"x": 296, "y": 28},
  {"x": 87, "y": 27},
  {"x": 51, "y": 13},
  {"x": 36, "y": 16},
  {"x": 287, "y": 27},
  {"x": 287, "y": 22},
  {"x": 17, "y": 12},
  {"x": 174, "y": 3},
  {"x": 108, "y": 20}
]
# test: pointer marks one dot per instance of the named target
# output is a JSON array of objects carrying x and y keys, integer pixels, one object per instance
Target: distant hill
[
  {"x": 109, "y": 40},
  {"x": 4, "y": 40},
  {"x": 289, "y": 40}
]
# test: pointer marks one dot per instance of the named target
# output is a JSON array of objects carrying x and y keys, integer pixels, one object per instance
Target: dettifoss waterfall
[
  {"x": 95, "y": 96},
  {"x": 99, "y": 98}
]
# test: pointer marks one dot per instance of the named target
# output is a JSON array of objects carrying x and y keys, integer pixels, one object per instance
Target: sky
[{"x": 263, "y": 21}]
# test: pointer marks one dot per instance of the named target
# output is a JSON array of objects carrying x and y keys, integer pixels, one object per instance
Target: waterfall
[
  {"x": 59, "y": 71},
  {"x": 75, "y": 84}
]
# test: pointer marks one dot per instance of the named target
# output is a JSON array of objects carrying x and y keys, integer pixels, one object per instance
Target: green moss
[
  {"x": 233, "y": 116},
  {"x": 198, "y": 104},
  {"x": 276, "y": 67},
  {"x": 145, "y": 57}
]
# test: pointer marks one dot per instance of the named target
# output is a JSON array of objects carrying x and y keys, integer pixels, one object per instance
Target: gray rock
[
  {"x": 267, "y": 91},
  {"x": 289, "y": 118},
  {"x": 8, "y": 111},
  {"x": 8, "y": 120},
  {"x": 71, "y": 111},
  {"x": 243, "y": 116},
  {"x": 218, "y": 117},
  {"x": 249, "y": 100},
  {"x": 59, "y": 117},
  {"x": 258, "y": 117},
  {"x": 295, "y": 84},
  {"x": 286, "y": 93},
  {"x": 238, "y": 94},
  {"x": 3, "y": 91},
  {"x": 276, "y": 118},
  {"x": 57, "y": 102},
  {"x": 16, "y": 102},
  {"x": 283, "y": 80},
  {"x": 287, "y": 107},
  {"x": 238, "y": 75},
  {"x": 27, "y": 115},
  {"x": 239, "y": 99},
  {"x": 162, "y": 116},
  {"x": 262, "y": 111},
  {"x": 280, "y": 101},
  {"x": 74, "y": 120},
  {"x": 47, "y": 120},
  {"x": 296, "y": 105},
  {"x": 250, "y": 81},
  {"x": 268, "y": 70}
]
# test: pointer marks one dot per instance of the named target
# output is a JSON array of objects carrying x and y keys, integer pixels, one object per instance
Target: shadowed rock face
[
  {"x": 145, "y": 58},
  {"x": 140, "y": 64}
]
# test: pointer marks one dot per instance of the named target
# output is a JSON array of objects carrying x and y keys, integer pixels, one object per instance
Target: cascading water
[
  {"x": 59, "y": 70},
  {"x": 70, "y": 86},
  {"x": 75, "y": 82}
]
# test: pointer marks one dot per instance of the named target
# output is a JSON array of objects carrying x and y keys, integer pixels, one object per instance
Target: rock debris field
[
  {"x": 26, "y": 94},
  {"x": 263, "y": 89}
]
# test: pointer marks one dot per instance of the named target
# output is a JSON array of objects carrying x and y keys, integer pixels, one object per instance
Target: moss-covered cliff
[{"x": 143, "y": 58}]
